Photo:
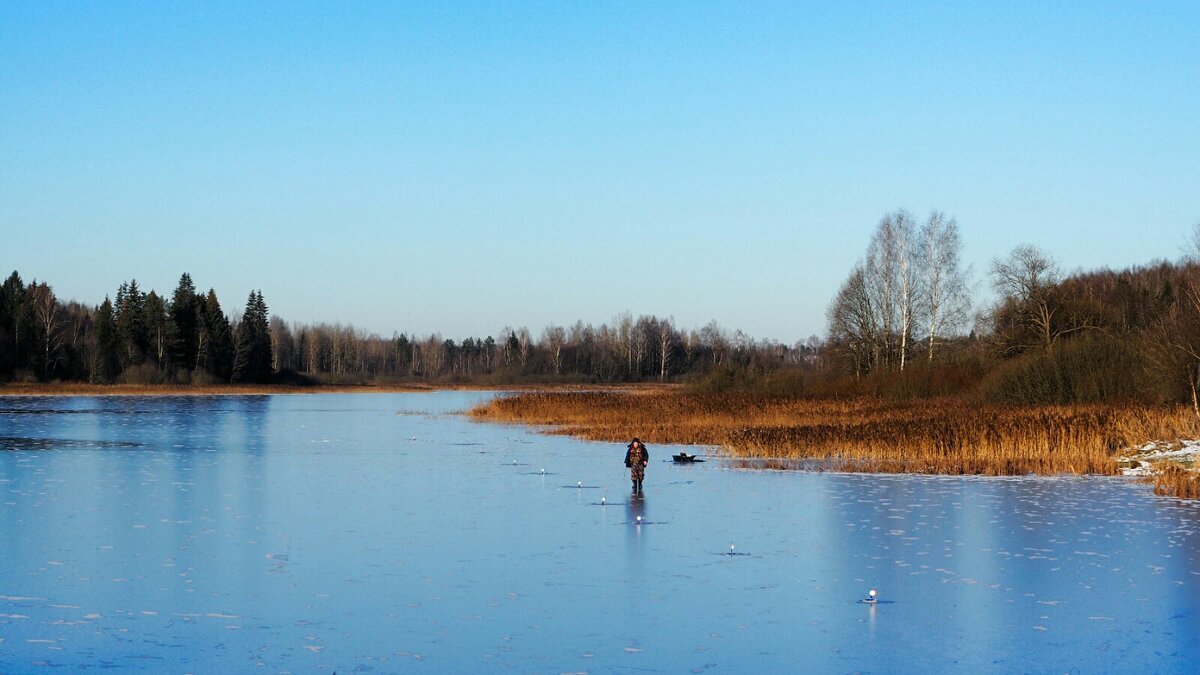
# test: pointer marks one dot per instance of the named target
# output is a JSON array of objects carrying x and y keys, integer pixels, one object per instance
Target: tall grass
[
  {"x": 1175, "y": 481},
  {"x": 943, "y": 436}
]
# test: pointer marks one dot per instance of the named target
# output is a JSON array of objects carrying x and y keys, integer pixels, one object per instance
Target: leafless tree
[
  {"x": 714, "y": 339},
  {"x": 283, "y": 347},
  {"x": 1173, "y": 346},
  {"x": 890, "y": 277},
  {"x": 645, "y": 334},
  {"x": 45, "y": 308},
  {"x": 854, "y": 322},
  {"x": 554, "y": 337},
  {"x": 525, "y": 340},
  {"x": 1192, "y": 250},
  {"x": 312, "y": 355},
  {"x": 666, "y": 338},
  {"x": 1028, "y": 278},
  {"x": 944, "y": 299},
  {"x": 623, "y": 325}
]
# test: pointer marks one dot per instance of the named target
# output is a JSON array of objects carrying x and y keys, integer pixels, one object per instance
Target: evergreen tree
[
  {"x": 18, "y": 339},
  {"x": 512, "y": 346},
  {"x": 131, "y": 323},
  {"x": 403, "y": 351},
  {"x": 252, "y": 353},
  {"x": 159, "y": 329},
  {"x": 108, "y": 344},
  {"x": 122, "y": 291},
  {"x": 215, "y": 344},
  {"x": 266, "y": 354},
  {"x": 186, "y": 311},
  {"x": 12, "y": 295}
]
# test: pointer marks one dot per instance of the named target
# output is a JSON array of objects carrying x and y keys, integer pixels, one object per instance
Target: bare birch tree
[
  {"x": 714, "y": 338},
  {"x": 45, "y": 308},
  {"x": 906, "y": 278},
  {"x": 890, "y": 277},
  {"x": 944, "y": 301},
  {"x": 666, "y": 339},
  {"x": 283, "y": 347},
  {"x": 644, "y": 334},
  {"x": 554, "y": 337},
  {"x": 623, "y": 324},
  {"x": 879, "y": 277}
]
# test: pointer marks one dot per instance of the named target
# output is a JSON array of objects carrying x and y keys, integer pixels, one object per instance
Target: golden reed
[
  {"x": 1175, "y": 481},
  {"x": 942, "y": 436}
]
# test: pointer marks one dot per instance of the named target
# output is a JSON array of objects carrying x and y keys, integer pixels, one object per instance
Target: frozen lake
[{"x": 384, "y": 533}]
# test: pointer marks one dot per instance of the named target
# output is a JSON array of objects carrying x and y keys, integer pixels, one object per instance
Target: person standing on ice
[{"x": 636, "y": 459}]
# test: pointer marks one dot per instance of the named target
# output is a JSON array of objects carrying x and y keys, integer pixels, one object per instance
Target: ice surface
[{"x": 312, "y": 534}]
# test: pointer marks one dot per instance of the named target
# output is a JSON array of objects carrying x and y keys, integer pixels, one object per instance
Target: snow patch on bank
[{"x": 1139, "y": 461}]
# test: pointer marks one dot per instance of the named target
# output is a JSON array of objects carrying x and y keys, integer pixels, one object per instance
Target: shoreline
[{"x": 84, "y": 389}]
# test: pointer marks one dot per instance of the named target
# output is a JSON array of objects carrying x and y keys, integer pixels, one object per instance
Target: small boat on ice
[{"x": 684, "y": 458}]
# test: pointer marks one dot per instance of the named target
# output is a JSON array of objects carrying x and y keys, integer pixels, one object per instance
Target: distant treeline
[
  {"x": 901, "y": 326},
  {"x": 146, "y": 338},
  {"x": 137, "y": 338}
]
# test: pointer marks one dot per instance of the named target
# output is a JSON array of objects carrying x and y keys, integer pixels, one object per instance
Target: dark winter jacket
[{"x": 645, "y": 459}]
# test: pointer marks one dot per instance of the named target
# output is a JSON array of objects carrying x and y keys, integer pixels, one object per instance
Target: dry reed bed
[
  {"x": 943, "y": 436},
  {"x": 1173, "y": 480}
]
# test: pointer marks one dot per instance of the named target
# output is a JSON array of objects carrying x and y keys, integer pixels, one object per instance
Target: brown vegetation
[
  {"x": 1173, "y": 480},
  {"x": 943, "y": 436}
]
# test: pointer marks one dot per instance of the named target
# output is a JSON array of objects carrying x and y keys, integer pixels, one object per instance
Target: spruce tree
[
  {"x": 265, "y": 357},
  {"x": 108, "y": 344},
  {"x": 185, "y": 315},
  {"x": 403, "y": 350},
  {"x": 252, "y": 351},
  {"x": 119, "y": 303},
  {"x": 12, "y": 294},
  {"x": 19, "y": 342},
  {"x": 131, "y": 323},
  {"x": 218, "y": 341}
]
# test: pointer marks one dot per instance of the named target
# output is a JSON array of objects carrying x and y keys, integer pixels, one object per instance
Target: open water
[{"x": 385, "y": 533}]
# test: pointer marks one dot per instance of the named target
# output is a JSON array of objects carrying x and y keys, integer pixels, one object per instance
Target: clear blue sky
[{"x": 458, "y": 167}]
